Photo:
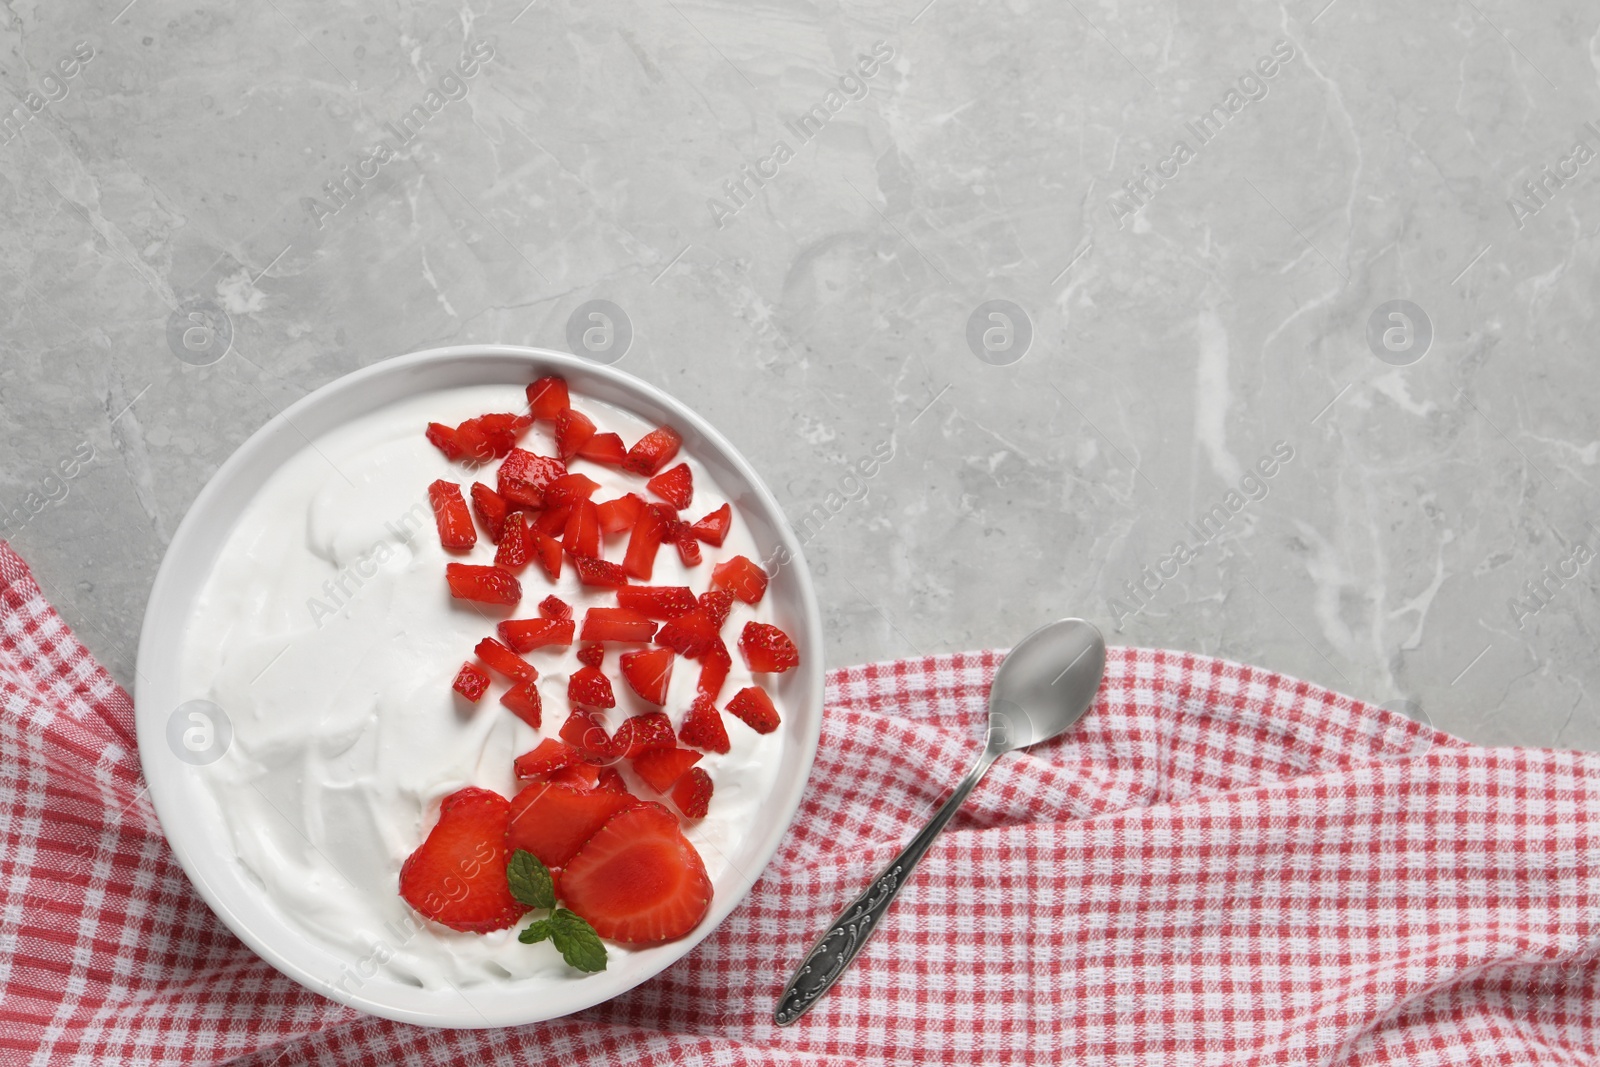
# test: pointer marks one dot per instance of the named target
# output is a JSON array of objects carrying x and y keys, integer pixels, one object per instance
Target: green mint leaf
[
  {"x": 577, "y": 942},
  {"x": 537, "y": 931},
  {"x": 530, "y": 880}
]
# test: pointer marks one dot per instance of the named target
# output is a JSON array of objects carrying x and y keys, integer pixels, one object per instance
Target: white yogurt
[{"x": 328, "y": 636}]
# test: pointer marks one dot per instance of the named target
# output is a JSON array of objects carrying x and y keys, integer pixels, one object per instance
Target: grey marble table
[{"x": 1252, "y": 329}]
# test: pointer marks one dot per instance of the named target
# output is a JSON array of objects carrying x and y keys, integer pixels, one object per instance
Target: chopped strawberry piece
[
  {"x": 657, "y": 601},
  {"x": 583, "y": 731},
  {"x": 490, "y": 436},
  {"x": 638, "y": 880},
  {"x": 582, "y": 536},
  {"x": 544, "y": 759},
  {"x": 472, "y": 681},
  {"x": 589, "y": 687},
  {"x": 548, "y": 398},
  {"x": 554, "y": 821},
  {"x": 688, "y": 550},
  {"x": 522, "y": 477},
  {"x": 620, "y": 514},
  {"x": 599, "y": 573},
  {"x": 754, "y": 706},
  {"x": 675, "y": 486},
  {"x": 553, "y": 607},
  {"x": 582, "y": 776},
  {"x": 547, "y": 550},
  {"x": 716, "y": 603},
  {"x": 553, "y": 520},
  {"x": 767, "y": 648},
  {"x": 714, "y": 665},
  {"x": 648, "y": 673},
  {"x": 444, "y": 439},
  {"x": 592, "y": 655},
  {"x": 688, "y": 635},
  {"x": 573, "y": 430},
  {"x": 451, "y": 515},
  {"x": 512, "y": 553},
  {"x": 611, "y": 781},
  {"x": 525, "y": 635},
  {"x": 604, "y": 448},
  {"x": 661, "y": 767},
  {"x": 654, "y": 451},
  {"x": 616, "y": 624},
  {"x": 569, "y": 489},
  {"x": 741, "y": 577},
  {"x": 643, "y": 543},
  {"x": 457, "y": 876},
  {"x": 523, "y": 701},
  {"x": 487, "y": 585},
  {"x": 641, "y": 733},
  {"x": 703, "y": 727},
  {"x": 491, "y": 510},
  {"x": 713, "y": 529},
  {"x": 692, "y": 794},
  {"x": 502, "y": 660},
  {"x": 673, "y": 529}
]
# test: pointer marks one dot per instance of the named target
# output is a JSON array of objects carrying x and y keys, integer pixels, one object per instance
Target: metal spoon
[{"x": 1042, "y": 688}]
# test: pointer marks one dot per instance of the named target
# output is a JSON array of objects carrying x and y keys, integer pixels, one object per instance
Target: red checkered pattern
[{"x": 1219, "y": 866}]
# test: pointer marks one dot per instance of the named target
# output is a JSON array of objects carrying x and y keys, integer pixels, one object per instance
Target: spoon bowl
[{"x": 1044, "y": 685}]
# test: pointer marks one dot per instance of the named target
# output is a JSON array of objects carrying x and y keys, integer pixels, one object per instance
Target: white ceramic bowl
[{"x": 182, "y": 801}]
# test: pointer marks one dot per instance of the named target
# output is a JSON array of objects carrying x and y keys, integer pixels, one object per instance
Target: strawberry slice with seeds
[
  {"x": 486, "y": 585},
  {"x": 471, "y": 682},
  {"x": 584, "y": 732},
  {"x": 713, "y": 529},
  {"x": 638, "y": 880},
  {"x": 490, "y": 436},
  {"x": 688, "y": 635},
  {"x": 767, "y": 648},
  {"x": 525, "y": 635},
  {"x": 512, "y": 552},
  {"x": 741, "y": 577},
  {"x": 457, "y": 876},
  {"x": 569, "y": 489},
  {"x": 573, "y": 430},
  {"x": 553, "y": 607},
  {"x": 648, "y": 673},
  {"x": 582, "y": 535},
  {"x": 657, "y": 601},
  {"x": 604, "y": 448},
  {"x": 641, "y": 733},
  {"x": 522, "y": 477},
  {"x": 616, "y": 624},
  {"x": 503, "y": 661},
  {"x": 662, "y": 767},
  {"x": 450, "y": 514},
  {"x": 653, "y": 451},
  {"x": 548, "y": 757},
  {"x": 619, "y": 514},
  {"x": 674, "y": 485},
  {"x": 714, "y": 665},
  {"x": 444, "y": 439},
  {"x": 592, "y": 655},
  {"x": 552, "y": 520},
  {"x": 523, "y": 701},
  {"x": 611, "y": 781},
  {"x": 692, "y": 794},
  {"x": 703, "y": 727},
  {"x": 545, "y": 549},
  {"x": 716, "y": 603},
  {"x": 599, "y": 573},
  {"x": 491, "y": 509},
  {"x": 589, "y": 687},
  {"x": 554, "y": 821},
  {"x": 643, "y": 543},
  {"x": 754, "y": 706},
  {"x": 548, "y": 398},
  {"x": 580, "y": 776}
]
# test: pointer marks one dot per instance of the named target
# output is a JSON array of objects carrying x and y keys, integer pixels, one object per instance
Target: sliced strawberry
[
  {"x": 703, "y": 727},
  {"x": 599, "y": 573},
  {"x": 675, "y": 486},
  {"x": 688, "y": 635},
  {"x": 643, "y": 543},
  {"x": 491, "y": 509},
  {"x": 641, "y": 733},
  {"x": 713, "y": 529},
  {"x": 547, "y": 550},
  {"x": 654, "y": 451},
  {"x": 569, "y": 489},
  {"x": 741, "y": 577},
  {"x": 451, "y": 515},
  {"x": 638, "y": 880},
  {"x": 692, "y": 794},
  {"x": 554, "y": 821},
  {"x": 553, "y": 607},
  {"x": 688, "y": 550},
  {"x": 592, "y": 655},
  {"x": 661, "y": 767},
  {"x": 716, "y": 603},
  {"x": 584, "y": 732},
  {"x": 620, "y": 514},
  {"x": 616, "y": 624},
  {"x": 522, "y": 477},
  {"x": 502, "y": 660},
  {"x": 458, "y": 875},
  {"x": 525, "y": 635},
  {"x": 487, "y": 585},
  {"x": 611, "y": 781},
  {"x": 604, "y": 448},
  {"x": 512, "y": 552},
  {"x": 714, "y": 665},
  {"x": 767, "y": 648},
  {"x": 582, "y": 536},
  {"x": 648, "y": 673},
  {"x": 657, "y": 601},
  {"x": 523, "y": 701},
  {"x": 472, "y": 681},
  {"x": 548, "y": 757},
  {"x": 444, "y": 439},
  {"x": 573, "y": 430},
  {"x": 754, "y": 706},
  {"x": 548, "y": 398},
  {"x": 490, "y": 436},
  {"x": 589, "y": 687},
  {"x": 553, "y": 519},
  {"x": 581, "y": 776}
]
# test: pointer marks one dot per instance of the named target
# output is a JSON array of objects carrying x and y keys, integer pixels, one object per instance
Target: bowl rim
[{"x": 160, "y": 651}]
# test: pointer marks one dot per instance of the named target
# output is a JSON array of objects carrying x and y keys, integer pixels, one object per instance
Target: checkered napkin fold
[{"x": 1220, "y": 865}]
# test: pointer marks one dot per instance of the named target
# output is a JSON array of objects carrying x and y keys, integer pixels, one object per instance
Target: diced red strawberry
[
  {"x": 754, "y": 706},
  {"x": 444, "y": 439},
  {"x": 616, "y": 624},
  {"x": 487, "y": 585},
  {"x": 490, "y": 436},
  {"x": 604, "y": 448},
  {"x": 457, "y": 876},
  {"x": 638, "y": 880},
  {"x": 451, "y": 515},
  {"x": 548, "y": 398},
  {"x": 599, "y": 573},
  {"x": 620, "y": 514},
  {"x": 522, "y": 477},
  {"x": 713, "y": 529},
  {"x": 592, "y": 689},
  {"x": 569, "y": 489},
  {"x": 525, "y": 635},
  {"x": 471, "y": 682},
  {"x": 767, "y": 648},
  {"x": 714, "y": 665},
  {"x": 653, "y": 451},
  {"x": 611, "y": 781},
  {"x": 716, "y": 604},
  {"x": 523, "y": 701},
  {"x": 703, "y": 727},
  {"x": 502, "y": 660},
  {"x": 512, "y": 552},
  {"x": 692, "y": 794},
  {"x": 582, "y": 536},
  {"x": 643, "y": 543},
  {"x": 491, "y": 510},
  {"x": 674, "y": 485},
  {"x": 554, "y": 821},
  {"x": 544, "y": 759},
  {"x": 741, "y": 577},
  {"x": 546, "y": 550},
  {"x": 657, "y": 601},
  {"x": 553, "y": 607},
  {"x": 584, "y": 732},
  {"x": 648, "y": 673},
  {"x": 584, "y": 776},
  {"x": 573, "y": 430},
  {"x": 641, "y": 733},
  {"x": 552, "y": 520},
  {"x": 688, "y": 635},
  {"x": 673, "y": 529},
  {"x": 592, "y": 655},
  {"x": 688, "y": 550},
  {"x": 661, "y": 767}
]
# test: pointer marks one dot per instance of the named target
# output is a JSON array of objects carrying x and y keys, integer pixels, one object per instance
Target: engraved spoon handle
[{"x": 843, "y": 940}]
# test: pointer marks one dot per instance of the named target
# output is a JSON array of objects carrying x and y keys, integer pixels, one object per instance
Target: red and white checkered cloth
[{"x": 1219, "y": 866}]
